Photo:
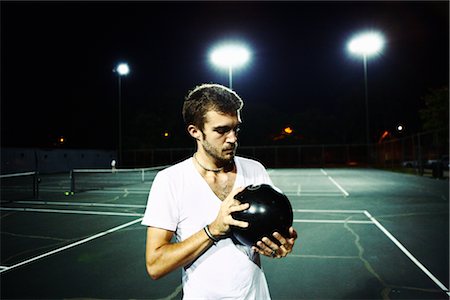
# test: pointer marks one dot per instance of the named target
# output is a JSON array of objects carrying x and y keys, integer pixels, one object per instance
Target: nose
[{"x": 232, "y": 137}]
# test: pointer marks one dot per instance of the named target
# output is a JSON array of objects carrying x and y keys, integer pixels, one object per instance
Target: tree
[
  {"x": 435, "y": 114},
  {"x": 435, "y": 118}
]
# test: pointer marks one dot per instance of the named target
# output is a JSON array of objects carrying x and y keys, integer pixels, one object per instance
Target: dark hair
[{"x": 207, "y": 97}]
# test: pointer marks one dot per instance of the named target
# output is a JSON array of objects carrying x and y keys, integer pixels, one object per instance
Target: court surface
[{"x": 363, "y": 234}]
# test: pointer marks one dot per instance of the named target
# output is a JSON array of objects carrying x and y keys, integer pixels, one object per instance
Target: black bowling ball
[{"x": 269, "y": 211}]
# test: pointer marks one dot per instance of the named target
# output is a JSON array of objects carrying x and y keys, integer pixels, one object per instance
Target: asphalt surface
[{"x": 363, "y": 234}]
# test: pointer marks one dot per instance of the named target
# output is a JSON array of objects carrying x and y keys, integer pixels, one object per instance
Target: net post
[{"x": 36, "y": 185}]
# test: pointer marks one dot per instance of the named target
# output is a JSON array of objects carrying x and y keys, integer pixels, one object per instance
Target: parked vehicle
[
  {"x": 412, "y": 164},
  {"x": 442, "y": 162}
]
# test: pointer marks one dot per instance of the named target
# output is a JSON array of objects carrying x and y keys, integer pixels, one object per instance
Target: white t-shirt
[{"x": 181, "y": 201}]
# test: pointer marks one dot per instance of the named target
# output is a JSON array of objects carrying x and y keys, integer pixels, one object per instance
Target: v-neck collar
[{"x": 237, "y": 182}]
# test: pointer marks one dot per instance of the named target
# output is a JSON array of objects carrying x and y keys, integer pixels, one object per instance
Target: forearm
[{"x": 167, "y": 257}]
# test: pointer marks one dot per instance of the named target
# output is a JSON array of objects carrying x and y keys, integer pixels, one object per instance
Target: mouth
[{"x": 232, "y": 149}]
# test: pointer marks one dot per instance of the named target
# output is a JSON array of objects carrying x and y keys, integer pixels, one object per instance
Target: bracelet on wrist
[{"x": 210, "y": 236}]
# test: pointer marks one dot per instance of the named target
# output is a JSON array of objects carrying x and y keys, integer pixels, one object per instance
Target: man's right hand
[{"x": 220, "y": 227}]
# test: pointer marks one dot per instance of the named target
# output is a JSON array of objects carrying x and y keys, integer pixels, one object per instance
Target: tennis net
[
  {"x": 98, "y": 179},
  {"x": 19, "y": 186}
]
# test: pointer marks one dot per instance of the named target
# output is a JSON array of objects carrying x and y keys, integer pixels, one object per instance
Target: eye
[{"x": 223, "y": 130}]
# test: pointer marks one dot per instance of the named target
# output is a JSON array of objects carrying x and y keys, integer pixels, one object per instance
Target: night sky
[{"x": 57, "y": 60}]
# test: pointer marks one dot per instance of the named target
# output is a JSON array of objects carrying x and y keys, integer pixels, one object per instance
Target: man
[{"x": 194, "y": 199}]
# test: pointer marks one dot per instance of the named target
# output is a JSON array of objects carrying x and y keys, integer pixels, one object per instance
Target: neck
[{"x": 227, "y": 167}]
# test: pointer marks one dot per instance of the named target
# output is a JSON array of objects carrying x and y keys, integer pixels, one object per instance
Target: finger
[
  {"x": 271, "y": 248},
  {"x": 286, "y": 245},
  {"x": 236, "y": 191},
  {"x": 239, "y": 207},
  {"x": 271, "y": 244},
  {"x": 293, "y": 233},
  {"x": 279, "y": 238},
  {"x": 260, "y": 251},
  {"x": 264, "y": 249},
  {"x": 230, "y": 197},
  {"x": 237, "y": 223}
]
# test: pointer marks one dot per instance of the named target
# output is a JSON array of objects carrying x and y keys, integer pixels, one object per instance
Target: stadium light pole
[
  {"x": 230, "y": 56},
  {"x": 122, "y": 69},
  {"x": 366, "y": 44}
]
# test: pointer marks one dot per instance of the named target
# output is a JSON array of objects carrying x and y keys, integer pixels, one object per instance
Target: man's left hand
[{"x": 269, "y": 248}]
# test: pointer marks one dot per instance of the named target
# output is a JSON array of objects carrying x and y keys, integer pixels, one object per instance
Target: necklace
[{"x": 205, "y": 168}]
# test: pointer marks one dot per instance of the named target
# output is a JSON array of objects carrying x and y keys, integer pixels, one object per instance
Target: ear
[{"x": 194, "y": 132}]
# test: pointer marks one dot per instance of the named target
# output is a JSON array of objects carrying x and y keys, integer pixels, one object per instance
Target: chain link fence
[{"x": 418, "y": 151}]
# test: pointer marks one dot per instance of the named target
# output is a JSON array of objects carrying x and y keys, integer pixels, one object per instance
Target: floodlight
[
  {"x": 366, "y": 43},
  {"x": 123, "y": 69},
  {"x": 226, "y": 56},
  {"x": 230, "y": 56}
]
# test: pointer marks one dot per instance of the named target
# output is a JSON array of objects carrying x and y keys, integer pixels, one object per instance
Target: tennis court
[{"x": 363, "y": 234}]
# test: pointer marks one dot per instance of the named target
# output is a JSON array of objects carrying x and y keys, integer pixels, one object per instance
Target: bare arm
[{"x": 162, "y": 256}]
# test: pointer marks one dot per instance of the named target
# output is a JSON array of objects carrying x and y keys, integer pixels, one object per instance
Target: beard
[{"x": 223, "y": 156}]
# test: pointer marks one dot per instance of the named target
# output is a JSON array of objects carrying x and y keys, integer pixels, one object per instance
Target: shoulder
[
  {"x": 251, "y": 171},
  {"x": 247, "y": 163},
  {"x": 178, "y": 168},
  {"x": 174, "y": 175}
]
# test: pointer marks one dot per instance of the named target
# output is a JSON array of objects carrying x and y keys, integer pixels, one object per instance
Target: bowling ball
[{"x": 269, "y": 211}]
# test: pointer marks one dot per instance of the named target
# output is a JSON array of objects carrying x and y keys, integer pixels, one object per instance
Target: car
[
  {"x": 442, "y": 162},
  {"x": 411, "y": 164}
]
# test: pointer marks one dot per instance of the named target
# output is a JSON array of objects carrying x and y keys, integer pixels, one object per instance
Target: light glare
[
  {"x": 230, "y": 56},
  {"x": 123, "y": 69},
  {"x": 366, "y": 43}
]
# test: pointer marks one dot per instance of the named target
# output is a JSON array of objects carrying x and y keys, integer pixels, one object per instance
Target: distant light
[
  {"x": 399, "y": 127},
  {"x": 367, "y": 43},
  {"x": 288, "y": 130},
  {"x": 230, "y": 55},
  {"x": 62, "y": 140},
  {"x": 166, "y": 134},
  {"x": 123, "y": 69},
  {"x": 384, "y": 136}
]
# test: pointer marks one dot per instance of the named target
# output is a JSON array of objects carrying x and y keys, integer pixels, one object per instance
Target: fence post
[
  {"x": 323, "y": 156},
  {"x": 419, "y": 152},
  {"x": 36, "y": 181},
  {"x": 72, "y": 182}
]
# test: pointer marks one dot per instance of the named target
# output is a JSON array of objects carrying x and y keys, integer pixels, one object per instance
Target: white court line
[
  {"x": 315, "y": 194},
  {"x": 129, "y": 191},
  {"x": 407, "y": 253},
  {"x": 346, "y": 194},
  {"x": 332, "y": 221},
  {"x": 330, "y": 211},
  {"x": 339, "y": 186},
  {"x": 384, "y": 230},
  {"x": 97, "y": 204},
  {"x": 115, "y": 191},
  {"x": 322, "y": 256},
  {"x": 72, "y": 245},
  {"x": 68, "y": 211}
]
